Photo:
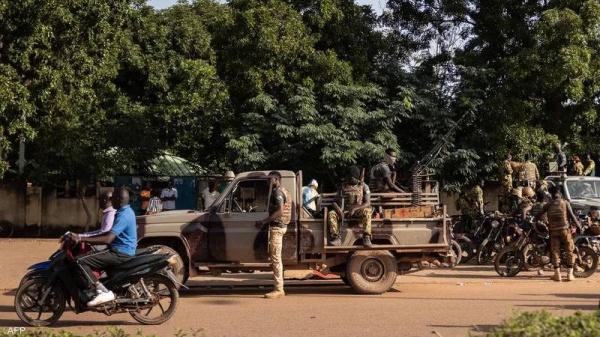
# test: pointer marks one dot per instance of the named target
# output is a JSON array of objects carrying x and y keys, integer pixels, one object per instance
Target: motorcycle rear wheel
[
  {"x": 30, "y": 311},
  {"x": 457, "y": 251},
  {"x": 509, "y": 262},
  {"x": 165, "y": 297},
  {"x": 587, "y": 261}
]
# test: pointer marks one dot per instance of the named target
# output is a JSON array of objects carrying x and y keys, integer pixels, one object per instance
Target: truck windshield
[
  {"x": 583, "y": 189},
  {"x": 247, "y": 196}
]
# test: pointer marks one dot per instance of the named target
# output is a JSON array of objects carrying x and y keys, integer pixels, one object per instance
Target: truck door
[{"x": 232, "y": 236}]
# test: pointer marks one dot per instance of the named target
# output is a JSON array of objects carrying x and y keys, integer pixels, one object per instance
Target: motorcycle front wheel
[
  {"x": 509, "y": 262},
  {"x": 28, "y": 306},
  {"x": 586, "y": 262},
  {"x": 485, "y": 252},
  {"x": 164, "y": 296}
]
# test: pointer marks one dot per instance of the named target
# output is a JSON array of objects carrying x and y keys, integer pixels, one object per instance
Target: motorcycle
[
  {"x": 141, "y": 284},
  {"x": 469, "y": 240},
  {"x": 532, "y": 250},
  {"x": 495, "y": 240}
]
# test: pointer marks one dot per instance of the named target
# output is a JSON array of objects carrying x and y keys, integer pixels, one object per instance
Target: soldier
[
  {"x": 536, "y": 210},
  {"x": 280, "y": 214},
  {"x": 471, "y": 204},
  {"x": 590, "y": 169},
  {"x": 380, "y": 178},
  {"x": 531, "y": 173},
  {"x": 577, "y": 166},
  {"x": 559, "y": 211},
  {"x": 357, "y": 203},
  {"x": 527, "y": 202},
  {"x": 561, "y": 159},
  {"x": 505, "y": 183}
]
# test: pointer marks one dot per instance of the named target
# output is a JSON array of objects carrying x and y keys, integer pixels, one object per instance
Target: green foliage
[
  {"x": 97, "y": 88},
  {"x": 544, "y": 324}
]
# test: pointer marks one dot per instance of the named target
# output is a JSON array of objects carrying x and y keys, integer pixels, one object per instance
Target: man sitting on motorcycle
[
  {"x": 121, "y": 241},
  {"x": 559, "y": 211}
]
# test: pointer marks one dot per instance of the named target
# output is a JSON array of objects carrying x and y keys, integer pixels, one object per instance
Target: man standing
[
  {"x": 531, "y": 173},
  {"x": 357, "y": 203},
  {"x": 209, "y": 195},
  {"x": 590, "y": 169},
  {"x": 168, "y": 196},
  {"x": 310, "y": 196},
  {"x": 121, "y": 241},
  {"x": 577, "y": 166},
  {"x": 280, "y": 214},
  {"x": 561, "y": 159},
  {"x": 476, "y": 197},
  {"x": 108, "y": 216},
  {"x": 559, "y": 211},
  {"x": 380, "y": 178}
]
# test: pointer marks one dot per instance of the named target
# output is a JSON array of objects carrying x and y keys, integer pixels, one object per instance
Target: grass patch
[{"x": 544, "y": 324}]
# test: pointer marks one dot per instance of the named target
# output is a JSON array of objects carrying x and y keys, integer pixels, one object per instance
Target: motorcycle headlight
[{"x": 495, "y": 224}]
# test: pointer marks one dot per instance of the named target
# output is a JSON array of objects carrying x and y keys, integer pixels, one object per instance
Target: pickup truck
[
  {"x": 581, "y": 192},
  {"x": 225, "y": 238}
]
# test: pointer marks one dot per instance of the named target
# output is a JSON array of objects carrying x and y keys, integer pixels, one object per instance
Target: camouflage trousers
[
  {"x": 363, "y": 216},
  {"x": 275, "y": 246},
  {"x": 558, "y": 239}
]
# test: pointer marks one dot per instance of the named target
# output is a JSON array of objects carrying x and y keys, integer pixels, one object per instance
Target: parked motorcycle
[
  {"x": 495, "y": 240},
  {"x": 533, "y": 249},
  {"x": 470, "y": 238},
  {"x": 144, "y": 287}
]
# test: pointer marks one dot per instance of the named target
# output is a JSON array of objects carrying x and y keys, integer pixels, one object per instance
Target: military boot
[
  {"x": 556, "y": 277},
  {"x": 275, "y": 294},
  {"x": 570, "y": 276},
  {"x": 367, "y": 241}
]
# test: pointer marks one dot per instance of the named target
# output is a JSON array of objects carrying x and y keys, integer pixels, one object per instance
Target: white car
[{"x": 581, "y": 192}]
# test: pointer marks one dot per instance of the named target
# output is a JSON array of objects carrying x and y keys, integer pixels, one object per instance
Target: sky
[{"x": 377, "y": 5}]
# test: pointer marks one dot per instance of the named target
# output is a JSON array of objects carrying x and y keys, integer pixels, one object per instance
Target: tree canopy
[{"x": 96, "y": 88}]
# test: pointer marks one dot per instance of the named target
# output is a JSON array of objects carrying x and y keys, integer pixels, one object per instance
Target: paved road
[{"x": 430, "y": 302}]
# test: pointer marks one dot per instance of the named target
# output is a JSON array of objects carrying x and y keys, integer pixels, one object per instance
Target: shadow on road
[
  {"x": 69, "y": 323},
  {"x": 7, "y": 308},
  {"x": 231, "y": 291}
]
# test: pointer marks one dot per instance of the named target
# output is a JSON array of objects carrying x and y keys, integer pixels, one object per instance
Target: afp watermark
[{"x": 16, "y": 330}]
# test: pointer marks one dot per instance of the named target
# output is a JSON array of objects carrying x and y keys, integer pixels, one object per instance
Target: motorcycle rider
[
  {"x": 559, "y": 211},
  {"x": 121, "y": 241}
]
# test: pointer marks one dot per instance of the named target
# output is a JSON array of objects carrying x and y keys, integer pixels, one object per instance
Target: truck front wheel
[{"x": 371, "y": 272}]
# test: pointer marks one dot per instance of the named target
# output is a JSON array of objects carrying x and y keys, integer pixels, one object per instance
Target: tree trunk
[{"x": 81, "y": 187}]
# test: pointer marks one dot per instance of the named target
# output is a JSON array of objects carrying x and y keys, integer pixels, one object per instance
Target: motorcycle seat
[{"x": 138, "y": 261}]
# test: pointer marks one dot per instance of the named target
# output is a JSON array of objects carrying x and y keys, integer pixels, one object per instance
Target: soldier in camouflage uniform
[
  {"x": 527, "y": 202},
  {"x": 559, "y": 211},
  {"x": 471, "y": 205},
  {"x": 380, "y": 177},
  {"x": 590, "y": 169},
  {"x": 506, "y": 184},
  {"x": 530, "y": 172},
  {"x": 577, "y": 166},
  {"x": 280, "y": 214},
  {"x": 356, "y": 198}
]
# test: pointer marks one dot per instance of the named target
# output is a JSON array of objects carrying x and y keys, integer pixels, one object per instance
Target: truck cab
[
  {"x": 224, "y": 237},
  {"x": 581, "y": 192}
]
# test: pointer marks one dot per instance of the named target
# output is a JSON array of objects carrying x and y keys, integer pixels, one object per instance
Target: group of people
[
  {"x": 353, "y": 198},
  {"x": 155, "y": 200}
]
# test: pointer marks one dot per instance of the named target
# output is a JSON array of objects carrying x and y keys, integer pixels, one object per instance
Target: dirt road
[{"x": 430, "y": 302}]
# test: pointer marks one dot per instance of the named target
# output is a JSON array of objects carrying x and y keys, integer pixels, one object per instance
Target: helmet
[
  {"x": 528, "y": 192},
  {"x": 516, "y": 192},
  {"x": 228, "y": 175}
]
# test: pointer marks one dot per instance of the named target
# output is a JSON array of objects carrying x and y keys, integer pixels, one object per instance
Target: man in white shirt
[
  {"x": 210, "y": 194},
  {"x": 309, "y": 197},
  {"x": 168, "y": 196}
]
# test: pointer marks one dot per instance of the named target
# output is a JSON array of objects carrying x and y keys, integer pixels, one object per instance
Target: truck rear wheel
[{"x": 371, "y": 272}]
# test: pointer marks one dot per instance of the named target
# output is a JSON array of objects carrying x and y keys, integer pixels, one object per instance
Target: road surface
[{"x": 430, "y": 302}]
